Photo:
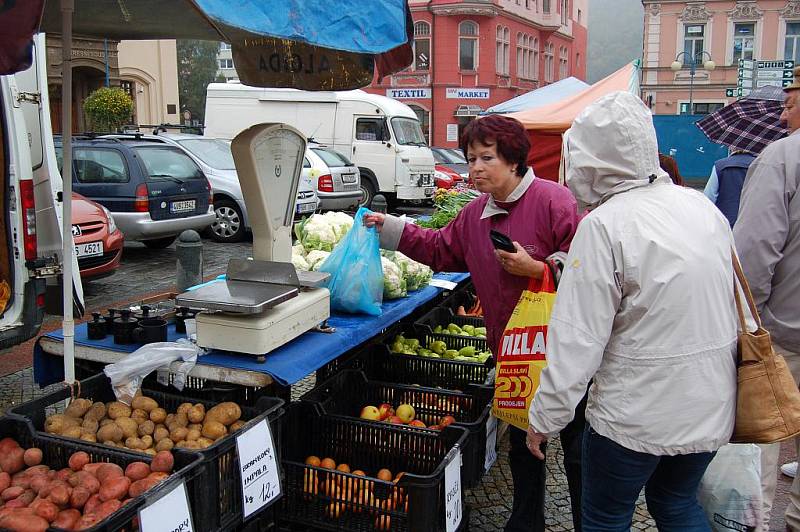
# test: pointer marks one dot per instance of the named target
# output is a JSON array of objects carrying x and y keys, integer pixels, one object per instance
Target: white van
[
  {"x": 380, "y": 135},
  {"x": 29, "y": 186}
]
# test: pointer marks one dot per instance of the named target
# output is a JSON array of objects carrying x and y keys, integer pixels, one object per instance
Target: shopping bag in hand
[
  {"x": 521, "y": 353},
  {"x": 356, "y": 282},
  {"x": 730, "y": 491}
]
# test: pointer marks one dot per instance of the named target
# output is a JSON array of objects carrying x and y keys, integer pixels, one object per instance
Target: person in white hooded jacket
[{"x": 645, "y": 308}]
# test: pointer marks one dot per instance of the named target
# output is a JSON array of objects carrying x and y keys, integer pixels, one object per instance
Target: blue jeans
[{"x": 613, "y": 477}]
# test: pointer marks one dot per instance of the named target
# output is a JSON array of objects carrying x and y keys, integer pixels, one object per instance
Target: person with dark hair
[
  {"x": 670, "y": 166},
  {"x": 540, "y": 217}
]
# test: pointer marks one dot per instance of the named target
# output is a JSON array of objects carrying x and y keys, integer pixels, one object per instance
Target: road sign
[
  {"x": 789, "y": 65},
  {"x": 745, "y": 83}
]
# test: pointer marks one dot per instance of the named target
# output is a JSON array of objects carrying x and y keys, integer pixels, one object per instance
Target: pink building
[
  {"x": 723, "y": 32},
  {"x": 472, "y": 54}
]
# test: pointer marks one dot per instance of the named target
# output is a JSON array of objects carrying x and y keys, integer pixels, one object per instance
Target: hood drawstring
[{"x": 652, "y": 178}]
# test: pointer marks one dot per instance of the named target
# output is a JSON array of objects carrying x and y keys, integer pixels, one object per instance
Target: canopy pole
[{"x": 67, "y": 9}]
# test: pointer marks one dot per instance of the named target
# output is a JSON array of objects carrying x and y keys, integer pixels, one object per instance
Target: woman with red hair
[{"x": 540, "y": 217}]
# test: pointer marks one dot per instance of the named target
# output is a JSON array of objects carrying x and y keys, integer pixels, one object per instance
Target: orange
[
  {"x": 359, "y": 473},
  {"x": 385, "y": 475},
  {"x": 313, "y": 461},
  {"x": 344, "y": 468},
  {"x": 328, "y": 463}
]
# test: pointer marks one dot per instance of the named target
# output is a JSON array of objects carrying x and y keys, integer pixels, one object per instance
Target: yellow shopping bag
[{"x": 521, "y": 356}]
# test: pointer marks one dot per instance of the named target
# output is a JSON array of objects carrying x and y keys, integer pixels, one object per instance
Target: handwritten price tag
[
  {"x": 452, "y": 491},
  {"x": 261, "y": 483},
  {"x": 491, "y": 443},
  {"x": 170, "y": 513}
]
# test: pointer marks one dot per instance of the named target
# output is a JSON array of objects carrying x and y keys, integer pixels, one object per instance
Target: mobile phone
[{"x": 501, "y": 241}]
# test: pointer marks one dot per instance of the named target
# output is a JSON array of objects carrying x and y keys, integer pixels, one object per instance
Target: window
[
  {"x": 527, "y": 57},
  {"x": 408, "y": 131},
  {"x": 546, "y": 6},
  {"x": 580, "y": 16},
  {"x": 564, "y": 12},
  {"x": 372, "y": 129},
  {"x": 165, "y": 163},
  {"x": 306, "y": 163},
  {"x": 225, "y": 63},
  {"x": 99, "y": 166},
  {"x": 701, "y": 108},
  {"x": 502, "y": 50},
  {"x": 468, "y": 45},
  {"x": 422, "y": 46},
  {"x": 577, "y": 61},
  {"x": 215, "y": 153},
  {"x": 792, "y": 52},
  {"x": 693, "y": 38},
  {"x": 527, "y": 4},
  {"x": 332, "y": 158},
  {"x": 424, "y": 118},
  {"x": 563, "y": 63},
  {"x": 224, "y": 46},
  {"x": 743, "y": 41},
  {"x": 548, "y": 62}
]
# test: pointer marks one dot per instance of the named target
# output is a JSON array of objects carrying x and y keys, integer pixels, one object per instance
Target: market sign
[
  {"x": 402, "y": 94},
  {"x": 468, "y": 94}
]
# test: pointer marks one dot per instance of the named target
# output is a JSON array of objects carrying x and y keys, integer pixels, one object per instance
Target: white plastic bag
[
  {"x": 127, "y": 375},
  {"x": 730, "y": 491}
]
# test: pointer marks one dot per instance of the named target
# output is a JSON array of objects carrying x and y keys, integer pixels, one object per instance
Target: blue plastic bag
[{"x": 356, "y": 282}]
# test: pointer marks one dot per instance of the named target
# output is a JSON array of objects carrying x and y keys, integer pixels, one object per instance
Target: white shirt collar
[{"x": 492, "y": 208}]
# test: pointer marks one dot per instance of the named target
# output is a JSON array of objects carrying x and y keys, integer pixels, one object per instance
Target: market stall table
[{"x": 286, "y": 365}]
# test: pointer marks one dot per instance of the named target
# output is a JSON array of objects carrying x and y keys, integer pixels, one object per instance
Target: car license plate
[
  {"x": 348, "y": 178},
  {"x": 429, "y": 191},
  {"x": 182, "y": 206},
  {"x": 303, "y": 208},
  {"x": 89, "y": 249}
]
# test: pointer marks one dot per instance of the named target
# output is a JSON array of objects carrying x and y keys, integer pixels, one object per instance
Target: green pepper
[
  {"x": 437, "y": 329},
  {"x": 424, "y": 352},
  {"x": 469, "y": 329},
  {"x": 480, "y": 330},
  {"x": 397, "y": 347},
  {"x": 438, "y": 347},
  {"x": 450, "y": 354},
  {"x": 412, "y": 343},
  {"x": 452, "y": 328},
  {"x": 468, "y": 351}
]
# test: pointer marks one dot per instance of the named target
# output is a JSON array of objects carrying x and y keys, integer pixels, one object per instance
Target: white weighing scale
[{"x": 265, "y": 302}]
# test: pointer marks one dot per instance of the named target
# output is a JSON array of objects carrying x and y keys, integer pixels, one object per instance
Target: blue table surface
[{"x": 286, "y": 365}]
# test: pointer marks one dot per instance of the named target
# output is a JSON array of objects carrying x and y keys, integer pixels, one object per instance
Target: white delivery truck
[{"x": 380, "y": 135}]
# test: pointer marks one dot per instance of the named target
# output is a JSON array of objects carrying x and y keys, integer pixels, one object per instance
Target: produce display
[
  {"x": 350, "y": 494},
  {"x": 318, "y": 234},
  {"x": 403, "y": 415},
  {"x": 438, "y": 348},
  {"x": 448, "y": 204},
  {"x": 464, "y": 330},
  {"x": 77, "y": 497},
  {"x": 144, "y": 426}
]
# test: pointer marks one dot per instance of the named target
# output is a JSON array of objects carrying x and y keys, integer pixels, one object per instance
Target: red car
[
  {"x": 98, "y": 242},
  {"x": 445, "y": 177}
]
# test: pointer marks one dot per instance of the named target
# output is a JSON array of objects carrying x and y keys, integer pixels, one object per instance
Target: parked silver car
[{"x": 336, "y": 180}]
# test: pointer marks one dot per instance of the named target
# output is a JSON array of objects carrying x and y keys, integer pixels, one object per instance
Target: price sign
[
  {"x": 452, "y": 491},
  {"x": 442, "y": 283},
  {"x": 170, "y": 513},
  {"x": 491, "y": 443},
  {"x": 258, "y": 467}
]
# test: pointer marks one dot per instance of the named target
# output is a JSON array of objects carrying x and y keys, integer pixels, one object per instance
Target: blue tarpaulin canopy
[{"x": 548, "y": 94}]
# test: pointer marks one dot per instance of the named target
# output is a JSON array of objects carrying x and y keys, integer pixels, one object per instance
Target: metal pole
[
  {"x": 67, "y": 9},
  {"x": 692, "y": 72},
  {"x": 105, "y": 55}
]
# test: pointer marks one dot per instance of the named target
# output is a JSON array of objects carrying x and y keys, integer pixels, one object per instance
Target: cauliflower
[
  {"x": 415, "y": 273},
  {"x": 340, "y": 222},
  {"x": 298, "y": 249},
  {"x": 316, "y": 258},
  {"x": 318, "y": 233},
  {"x": 299, "y": 262},
  {"x": 394, "y": 284}
]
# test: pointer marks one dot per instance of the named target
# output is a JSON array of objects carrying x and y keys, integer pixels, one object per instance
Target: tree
[
  {"x": 108, "y": 108},
  {"x": 197, "y": 67}
]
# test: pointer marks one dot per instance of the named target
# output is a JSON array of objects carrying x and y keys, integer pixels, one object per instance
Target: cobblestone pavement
[{"x": 146, "y": 271}]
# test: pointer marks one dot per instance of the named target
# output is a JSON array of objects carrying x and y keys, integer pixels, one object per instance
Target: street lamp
[{"x": 693, "y": 61}]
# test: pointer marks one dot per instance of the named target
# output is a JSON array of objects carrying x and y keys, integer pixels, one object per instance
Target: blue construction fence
[{"x": 679, "y": 137}]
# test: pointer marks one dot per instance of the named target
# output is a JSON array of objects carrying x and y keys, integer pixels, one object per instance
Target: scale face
[{"x": 279, "y": 163}]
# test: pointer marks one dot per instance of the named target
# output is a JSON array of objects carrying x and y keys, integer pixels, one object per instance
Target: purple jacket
[{"x": 543, "y": 220}]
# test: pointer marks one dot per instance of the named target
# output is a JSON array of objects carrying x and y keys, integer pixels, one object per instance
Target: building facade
[
  {"x": 472, "y": 54},
  {"x": 225, "y": 67},
  {"x": 146, "y": 70},
  {"x": 724, "y": 32}
]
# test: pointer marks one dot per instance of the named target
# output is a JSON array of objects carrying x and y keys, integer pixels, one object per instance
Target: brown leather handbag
[{"x": 768, "y": 400}]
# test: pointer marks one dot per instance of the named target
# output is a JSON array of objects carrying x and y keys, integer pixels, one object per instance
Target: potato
[
  {"x": 205, "y": 442},
  {"x": 137, "y": 471},
  {"x": 23, "y": 521},
  {"x": 182, "y": 420},
  {"x": 79, "y": 497},
  {"x": 147, "y": 427},
  {"x": 96, "y": 412},
  {"x": 214, "y": 430},
  {"x": 59, "y": 495},
  {"x": 12, "y": 493},
  {"x": 5, "y": 481},
  {"x": 111, "y": 432},
  {"x": 151, "y": 451},
  {"x": 87, "y": 520},
  {"x": 106, "y": 421},
  {"x": 140, "y": 416},
  {"x": 66, "y": 519},
  {"x": 72, "y": 432},
  {"x": 108, "y": 508},
  {"x": 88, "y": 436},
  {"x": 168, "y": 420},
  {"x": 147, "y": 404},
  {"x": 77, "y": 461},
  {"x": 90, "y": 425},
  {"x": 32, "y": 457},
  {"x": 39, "y": 482},
  {"x": 160, "y": 433},
  {"x": 92, "y": 504},
  {"x": 141, "y": 486},
  {"x": 158, "y": 415},
  {"x": 197, "y": 413},
  {"x": 117, "y": 409},
  {"x": 13, "y": 461},
  {"x": 193, "y": 435},
  {"x": 236, "y": 425},
  {"x": 195, "y": 426},
  {"x": 178, "y": 434},
  {"x": 57, "y": 423},
  {"x": 191, "y": 444},
  {"x": 86, "y": 480},
  {"x": 108, "y": 471},
  {"x": 114, "y": 488},
  {"x": 147, "y": 440},
  {"x": 225, "y": 413},
  {"x": 128, "y": 426},
  {"x": 164, "y": 445},
  {"x": 184, "y": 408},
  {"x": 45, "y": 509},
  {"x": 78, "y": 408}
]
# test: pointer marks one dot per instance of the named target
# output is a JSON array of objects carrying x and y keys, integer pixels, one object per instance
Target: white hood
[{"x": 610, "y": 148}]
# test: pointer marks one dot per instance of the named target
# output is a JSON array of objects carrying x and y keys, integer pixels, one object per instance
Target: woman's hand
[
  {"x": 534, "y": 441},
  {"x": 375, "y": 220},
  {"x": 519, "y": 263}
]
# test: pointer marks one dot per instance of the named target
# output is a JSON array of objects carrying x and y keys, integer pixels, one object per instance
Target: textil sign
[
  {"x": 400, "y": 94},
  {"x": 468, "y": 94}
]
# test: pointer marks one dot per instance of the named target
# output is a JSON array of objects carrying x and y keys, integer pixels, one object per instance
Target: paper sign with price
[
  {"x": 259, "y": 468},
  {"x": 491, "y": 443},
  {"x": 170, "y": 513},
  {"x": 452, "y": 491}
]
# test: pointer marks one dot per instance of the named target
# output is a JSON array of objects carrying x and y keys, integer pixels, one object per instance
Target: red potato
[
  {"x": 158, "y": 476},
  {"x": 140, "y": 486},
  {"x": 32, "y": 456},
  {"x": 5, "y": 481},
  {"x": 40, "y": 469},
  {"x": 12, "y": 493},
  {"x": 137, "y": 471},
  {"x": 114, "y": 488},
  {"x": 39, "y": 482},
  {"x": 23, "y": 481},
  {"x": 108, "y": 508},
  {"x": 79, "y": 497},
  {"x": 108, "y": 471},
  {"x": 6, "y": 444},
  {"x": 92, "y": 504},
  {"x": 59, "y": 495},
  {"x": 87, "y": 520},
  {"x": 78, "y": 460},
  {"x": 67, "y": 519},
  {"x": 85, "y": 480},
  {"x": 45, "y": 509},
  {"x": 64, "y": 474},
  {"x": 12, "y": 461},
  {"x": 23, "y": 522},
  {"x": 163, "y": 462}
]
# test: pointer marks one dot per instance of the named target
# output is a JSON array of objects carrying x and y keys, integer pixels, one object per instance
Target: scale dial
[{"x": 278, "y": 155}]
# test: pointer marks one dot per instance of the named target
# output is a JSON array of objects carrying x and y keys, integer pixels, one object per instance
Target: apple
[
  {"x": 394, "y": 420},
  {"x": 405, "y": 412},
  {"x": 417, "y": 423},
  {"x": 371, "y": 413},
  {"x": 386, "y": 410},
  {"x": 447, "y": 420}
]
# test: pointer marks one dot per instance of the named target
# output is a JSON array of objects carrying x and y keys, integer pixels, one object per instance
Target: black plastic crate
[
  {"x": 56, "y": 453},
  {"x": 462, "y": 298},
  {"x": 443, "y": 316},
  {"x": 218, "y": 493},
  {"x": 347, "y": 392},
  {"x": 417, "y": 498}
]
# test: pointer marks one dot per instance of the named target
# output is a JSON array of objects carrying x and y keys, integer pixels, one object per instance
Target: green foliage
[
  {"x": 197, "y": 67},
  {"x": 108, "y": 108}
]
